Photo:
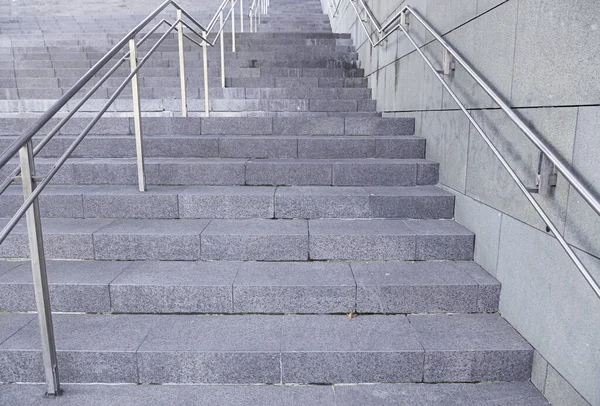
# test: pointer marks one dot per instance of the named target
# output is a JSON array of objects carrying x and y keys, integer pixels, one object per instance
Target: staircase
[{"x": 295, "y": 236}]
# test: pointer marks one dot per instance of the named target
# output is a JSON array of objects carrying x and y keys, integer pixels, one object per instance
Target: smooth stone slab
[
  {"x": 212, "y": 349},
  {"x": 489, "y": 287},
  {"x": 75, "y": 286},
  {"x": 11, "y": 323},
  {"x": 288, "y": 172},
  {"x": 181, "y": 395},
  {"x": 106, "y": 342},
  {"x": 361, "y": 240},
  {"x": 503, "y": 393},
  {"x": 255, "y": 240},
  {"x": 63, "y": 239},
  {"x": 327, "y": 349},
  {"x": 128, "y": 202},
  {"x": 174, "y": 287},
  {"x": 321, "y": 202},
  {"x": 419, "y": 202},
  {"x": 149, "y": 240},
  {"x": 421, "y": 287},
  {"x": 230, "y": 202},
  {"x": 291, "y": 287},
  {"x": 472, "y": 348},
  {"x": 62, "y": 202},
  {"x": 442, "y": 240}
]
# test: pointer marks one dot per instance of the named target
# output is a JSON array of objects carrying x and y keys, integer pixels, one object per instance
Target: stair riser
[
  {"x": 258, "y": 368},
  {"x": 191, "y": 247},
  {"x": 226, "y": 126},
  {"x": 255, "y": 173},
  {"x": 238, "y": 147},
  {"x": 196, "y": 206}
]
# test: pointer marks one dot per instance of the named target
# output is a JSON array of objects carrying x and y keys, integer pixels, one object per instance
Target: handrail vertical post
[
  {"x": 222, "y": 41},
  {"x": 137, "y": 117},
  {"x": 241, "y": 15},
  {"x": 259, "y": 12},
  {"x": 233, "y": 25},
  {"x": 184, "y": 108},
  {"x": 205, "y": 66},
  {"x": 38, "y": 268},
  {"x": 251, "y": 20}
]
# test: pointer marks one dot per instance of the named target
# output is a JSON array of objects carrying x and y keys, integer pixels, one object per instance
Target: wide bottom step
[
  {"x": 513, "y": 394},
  {"x": 268, "y": 349}
]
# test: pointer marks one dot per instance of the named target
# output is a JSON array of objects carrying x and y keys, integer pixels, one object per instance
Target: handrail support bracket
[{"x": 546, "y": 177}]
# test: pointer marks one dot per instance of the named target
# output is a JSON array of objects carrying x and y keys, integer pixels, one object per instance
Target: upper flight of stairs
[{"x": 295, "y": 236}]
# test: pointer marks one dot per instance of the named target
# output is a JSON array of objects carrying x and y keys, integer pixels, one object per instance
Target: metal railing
[
  {"x": 23, "y": 146},
  {"x": 257, "y": 8},
  {"x": 549, "y": 159}
]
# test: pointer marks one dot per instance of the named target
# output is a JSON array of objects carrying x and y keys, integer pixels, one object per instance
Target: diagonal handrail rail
[{"x": 566, "y": 169}]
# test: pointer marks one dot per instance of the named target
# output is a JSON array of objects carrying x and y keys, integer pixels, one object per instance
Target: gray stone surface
[
  {"x": 212, "y": 349},
  {"x": 489, "y": 288},
  {"x": 54, "y": 202},
  {"x": 321, "y": 202},
  {"x": 325, "y": 349},
  {"x": 472, "y": 348},
  {"x": 582, "y": 224},
  {"x": 442, "y": 240},
  {"x": 288, "y": 172},
  {"x": 559, "y": 392},
  {"x": 288, "y": 287},
  {"x": 236, "y": 126},
  {"x": 149, "y": 240},
  {"x": 63, "y": 239},
  {"x": 559, "y": 84},
  {"x": 185, "y": 395},
  {"x": 258, "y": 147},
  {"x": 302, "y": 126},
  {"x": 361, "y": 240},
  {"x": 546, "y": 283},
  {"x": 12, "y": 323},
  {"x": 421, "y": 287},
  {"x": 107, "y": 342},
  {"x": 174, "y": 287},
  {"x": 375, "y": 173},
  {"x": 128, "y": 202},
  {"x": 336, "y": 147},
  {"x": 484, "y": 222},
  {"x": 226, "y": 202},
  {"x": 75, "y": 286},
  {"x": 379, "y": 126},
  {"x": 255, "y": 240},
  {"x": 513, "y": 393},
  {"x": 539, "y": 371},
  {"x": 420, "y": 202}
]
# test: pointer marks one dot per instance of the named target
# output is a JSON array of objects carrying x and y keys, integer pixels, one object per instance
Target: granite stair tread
[
  {"x": 269, "y": 348},
  {"x": 254, "y": 287}
]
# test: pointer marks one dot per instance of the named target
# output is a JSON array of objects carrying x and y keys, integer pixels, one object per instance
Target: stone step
[
  {"x": 231, "y": 202},
  {"x": 247, "y": 240},
  {"x": 401, "y": 394},
  {"x": 231, "y": 171},
  {"x": 306, "y": 147},
  {"x": 226, "y": 126},
  {"x": 262, "y": 107},
  {"x": 255, "y": 287},
  {"x": 193, "y": 54},
  {"x": 268, "y": 349}
]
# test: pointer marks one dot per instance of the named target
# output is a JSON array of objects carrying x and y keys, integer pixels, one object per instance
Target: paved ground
[{"x": 497, "y": 394}]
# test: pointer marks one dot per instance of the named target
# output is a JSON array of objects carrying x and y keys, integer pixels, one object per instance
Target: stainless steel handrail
[
  {"x": 561, "y": 165},
  {"x": 24, "y": 144}
]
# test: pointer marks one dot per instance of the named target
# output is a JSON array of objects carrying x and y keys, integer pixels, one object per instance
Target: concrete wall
[{"x": 543, "y": 57}]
